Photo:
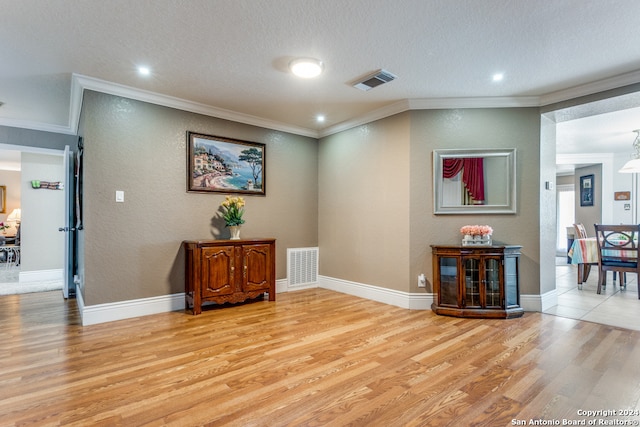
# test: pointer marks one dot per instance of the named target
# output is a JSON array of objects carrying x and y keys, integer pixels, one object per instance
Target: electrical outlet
[{"x": 422, "y": 281}]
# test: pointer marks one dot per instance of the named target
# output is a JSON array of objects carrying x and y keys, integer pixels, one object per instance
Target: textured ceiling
[{"x": 233, "y": 54}]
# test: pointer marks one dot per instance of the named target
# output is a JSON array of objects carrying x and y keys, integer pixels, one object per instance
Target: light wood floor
[{"x": 313, "y": 358}]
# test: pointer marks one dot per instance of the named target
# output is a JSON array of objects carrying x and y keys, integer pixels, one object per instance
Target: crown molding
[
  {"x": 90, "y": 83},
  {"x": 586, "y": 158},
  {"x": 591, "y": 88},
  {"x": 81, "y": 82},
  {"x": 75, "y": 103},
  {"x": 432, "y": 104},
  {"x": 380, "y": 113},
  {"x": 480, "y": 102},
  {"x": 45, "y": 127}
]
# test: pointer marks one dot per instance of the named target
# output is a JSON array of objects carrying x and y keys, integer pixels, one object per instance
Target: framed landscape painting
[{"x": 224, "y": 165}]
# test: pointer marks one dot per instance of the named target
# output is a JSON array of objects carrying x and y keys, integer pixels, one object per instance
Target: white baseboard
[
  {"x": 40, "y": 275},
  {"x": 412, "y": 301},
  {"x": 548, "y": 299},
  {"x": 94, "y": 314},
  {"x": 281, "y": 286},
  {"x": 420, "y": 301},
  {"x": 530, "y": 302},
  {"x": 80, "y": 304},
  {"x": 100, "y": 313},
  {"x": 539, "y": 303}
]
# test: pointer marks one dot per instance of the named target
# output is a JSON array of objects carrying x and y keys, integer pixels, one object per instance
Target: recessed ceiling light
[
  {"x": 498, "y": 77},
  {"x": 306, "y": 67},
  {"x": 144, "y": 71},
  {"x": 320, "y": 118}
]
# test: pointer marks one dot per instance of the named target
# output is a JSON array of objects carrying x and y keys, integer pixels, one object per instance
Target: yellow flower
[{"x": 233, "y": 210}]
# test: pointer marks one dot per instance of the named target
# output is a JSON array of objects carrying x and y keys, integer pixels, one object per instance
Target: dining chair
[
  {"x": 617, "y": 252},
  {"x": 581, "y": 233}
]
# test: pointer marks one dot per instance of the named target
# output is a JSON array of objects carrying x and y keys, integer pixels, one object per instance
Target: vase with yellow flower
[{"x": 232, "y": 211}]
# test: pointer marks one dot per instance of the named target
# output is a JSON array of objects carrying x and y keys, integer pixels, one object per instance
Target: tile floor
[
  {"x": 10, "y": 282},
  {"x": 613, "y": 306},
  {"x": 9, "y": 273}
]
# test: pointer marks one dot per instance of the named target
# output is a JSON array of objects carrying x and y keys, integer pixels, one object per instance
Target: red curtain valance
[{"x": 472, "y": 174}]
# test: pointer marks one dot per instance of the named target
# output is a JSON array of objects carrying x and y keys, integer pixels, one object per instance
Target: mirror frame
[{"x": 510, "y": 177}]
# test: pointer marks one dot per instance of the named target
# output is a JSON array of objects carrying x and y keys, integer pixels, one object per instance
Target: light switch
[{"x": 119, "y": 196}]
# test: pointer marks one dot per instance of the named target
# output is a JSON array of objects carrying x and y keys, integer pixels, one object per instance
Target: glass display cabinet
[{"x": 476, "y": 281}]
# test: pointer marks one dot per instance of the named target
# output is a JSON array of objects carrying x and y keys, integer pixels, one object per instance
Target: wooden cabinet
[
  {"x": 477, "y": 281},
  {"x": 221, "y": 271}
]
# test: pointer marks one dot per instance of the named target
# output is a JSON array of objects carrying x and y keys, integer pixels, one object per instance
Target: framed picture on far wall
[
  {"x": 586, "y": 190},
  {"x": 224, "y": 165}
]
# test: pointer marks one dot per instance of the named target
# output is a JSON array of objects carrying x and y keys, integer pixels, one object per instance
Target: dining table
[{"x": 584, "y": 254}]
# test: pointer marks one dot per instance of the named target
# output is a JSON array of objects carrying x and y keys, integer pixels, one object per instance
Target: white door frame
[{"x": 63, "y": 153}]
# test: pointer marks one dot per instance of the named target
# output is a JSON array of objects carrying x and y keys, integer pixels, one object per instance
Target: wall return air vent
[
  {"x": 374, "y": 80},
  {"x": 302, "y": 266}
]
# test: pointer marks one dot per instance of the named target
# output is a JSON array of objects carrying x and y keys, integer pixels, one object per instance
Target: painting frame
[
  {"x": 586, "y": 190},
  {"x": 217, "y": 164},
  {"x": 622, "y": 195}
]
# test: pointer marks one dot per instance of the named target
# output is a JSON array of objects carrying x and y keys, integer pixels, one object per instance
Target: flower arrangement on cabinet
[
  {"x": 233, "y": 209},
  {"x": 3, "y": 227},
  {"x": 477, "y": 230}
]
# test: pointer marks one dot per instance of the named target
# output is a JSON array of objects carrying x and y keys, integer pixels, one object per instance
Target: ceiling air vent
[{"x": 375, "y": 79}]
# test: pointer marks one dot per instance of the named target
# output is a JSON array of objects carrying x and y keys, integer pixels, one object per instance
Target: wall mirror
[{"x": 474, "y": 181}]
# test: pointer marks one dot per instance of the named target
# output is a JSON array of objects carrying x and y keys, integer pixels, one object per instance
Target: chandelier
[{"x": 633, "y": 165}]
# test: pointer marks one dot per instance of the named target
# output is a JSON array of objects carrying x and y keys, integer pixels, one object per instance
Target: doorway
[
  {"x": 37, "y": 264},
  {"x": 566, "y": 211}
]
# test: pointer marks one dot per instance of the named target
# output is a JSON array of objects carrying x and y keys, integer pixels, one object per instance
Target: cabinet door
[
  {"x": 511, "y": 282},
  {"x": 448, "y": 279},
  {"x": 491, "y": 281},
  {"x": 256, "y": 269},
  {"x": 218, "y": 268},
  {"x": 472, "y": 277}
]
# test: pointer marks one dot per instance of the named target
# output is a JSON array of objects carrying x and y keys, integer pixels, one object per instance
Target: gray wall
[
  {"x": 565, "y": 180},
  {"x": 365, "y": 204},
  {"x": 477, "y": 128},
  {"x": 133, "y": 249},
  {"x": 36, "y": 138},
  {"x": 590, "y": 215},
  {"x": 364, "y": 196},
  {"x": 376, "y": 218}
]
